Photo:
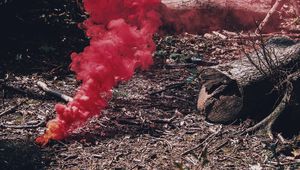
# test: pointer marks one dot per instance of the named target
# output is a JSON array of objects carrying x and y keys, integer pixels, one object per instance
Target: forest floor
[{"x": 151, "y": 122}]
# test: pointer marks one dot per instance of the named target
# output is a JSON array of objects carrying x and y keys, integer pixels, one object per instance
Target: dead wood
[
  {"x": 30, "y": 93},
  {"x": 57, "y": 94},
  {"x": 276, "y": 7},
  {"x": 230, "y": 89},
  {"x": 40, "y": 124},
  {"x": 209, "y": 15}
]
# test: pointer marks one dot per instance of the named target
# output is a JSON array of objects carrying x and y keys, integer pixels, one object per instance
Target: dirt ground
[{"x": 151, "y": 122}]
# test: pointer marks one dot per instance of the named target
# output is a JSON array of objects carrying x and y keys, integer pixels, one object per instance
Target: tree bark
[
  {"x": 208, "y": 15},
  {"x": 242, "y": 86}
]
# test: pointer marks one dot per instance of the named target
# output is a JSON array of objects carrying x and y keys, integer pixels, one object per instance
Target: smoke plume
[{"x": 120, "y": 33}]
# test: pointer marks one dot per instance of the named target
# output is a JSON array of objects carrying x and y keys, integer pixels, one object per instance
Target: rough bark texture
[
  {"x": 232, "y": 88},
  {"x": 207, "y": 15}
]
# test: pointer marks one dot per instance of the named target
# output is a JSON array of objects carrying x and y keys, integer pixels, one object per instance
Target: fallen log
[
  {"x": 243, "y": 86},
  {"x": 208, "y": 15}
]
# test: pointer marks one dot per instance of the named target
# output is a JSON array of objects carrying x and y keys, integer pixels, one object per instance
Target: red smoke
[{"x": 120, "y": 34}]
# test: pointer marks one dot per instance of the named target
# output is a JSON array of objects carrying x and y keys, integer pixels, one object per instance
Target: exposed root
[{"x": 268, "y": 122}]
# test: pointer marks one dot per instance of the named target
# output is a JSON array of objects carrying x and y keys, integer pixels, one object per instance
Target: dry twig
[
  {"x": 167, "y": 120},
  {"x": 13, "y": 108},
  {"x": 208, "y": 139},
  {"x": 169, "y": 87}
]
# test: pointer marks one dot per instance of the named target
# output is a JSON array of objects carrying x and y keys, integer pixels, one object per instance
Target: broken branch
[
  {"x": 45, "y": 88},
  {"x": 278, "y": 4},
  {"x": 42, "y": 123}
]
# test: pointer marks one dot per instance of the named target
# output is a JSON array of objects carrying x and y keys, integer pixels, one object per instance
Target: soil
[{"x": 151, "y": 122}]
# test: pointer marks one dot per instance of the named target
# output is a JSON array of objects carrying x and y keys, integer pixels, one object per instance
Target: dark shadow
[
  {"x": 260, "y": 103},
  {"x": 288, "y": 122},
  {"x": 17, "y": 154},
  {"x": 259, "y": 100},
  {"x": 38, "y": 36}
]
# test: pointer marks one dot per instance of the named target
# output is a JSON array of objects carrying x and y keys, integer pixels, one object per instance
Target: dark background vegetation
[{"x": 36, "y": 35}]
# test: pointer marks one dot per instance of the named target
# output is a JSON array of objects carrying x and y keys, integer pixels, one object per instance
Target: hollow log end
[
  {"x": 226, "y": 109},
  {"x": 220, "y": 98}
]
